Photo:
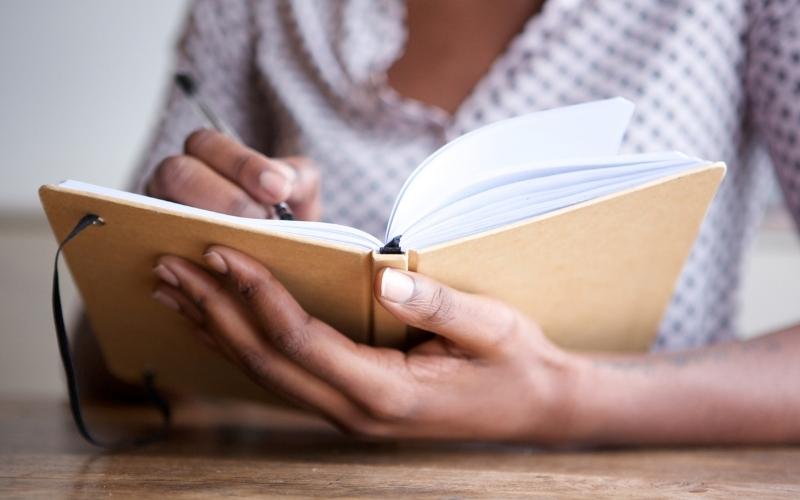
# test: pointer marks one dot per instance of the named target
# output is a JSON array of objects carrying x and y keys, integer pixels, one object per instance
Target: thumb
[{"x": 476, "y": 323}]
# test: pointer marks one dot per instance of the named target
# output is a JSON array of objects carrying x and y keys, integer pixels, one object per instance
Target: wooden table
[{"x": 222, "y": 450}]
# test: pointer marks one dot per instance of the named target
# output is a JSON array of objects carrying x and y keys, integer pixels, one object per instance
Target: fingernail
[
  {"x": 275, "y": 185},
  {"x": 166, "y": 275},
  {"x": 396, "y": 286},
  {"x": 216, "y": 262},
  {"x": 165, "y": 300}
]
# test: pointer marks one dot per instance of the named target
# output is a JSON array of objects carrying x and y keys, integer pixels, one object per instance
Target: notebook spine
[{"x": 386, "y": 330}]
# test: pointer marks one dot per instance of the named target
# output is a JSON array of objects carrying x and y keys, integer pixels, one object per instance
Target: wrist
[
  {"x": 585, "y": 403},
  {"x": 609, "y": 395},
  {"x": 588, "y": 385},
  {"x": 560, "y": 415}
]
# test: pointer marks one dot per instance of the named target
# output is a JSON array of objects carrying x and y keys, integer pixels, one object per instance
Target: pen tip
[
  {"x": 283, "y": 211},
  {"x": 186, "y": 83}
]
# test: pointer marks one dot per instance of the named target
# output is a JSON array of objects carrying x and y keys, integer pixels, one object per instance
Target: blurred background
[{"x": 80, "y": 89}]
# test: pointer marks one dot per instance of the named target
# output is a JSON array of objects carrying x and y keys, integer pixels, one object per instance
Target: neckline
[{"x": 417, "y": 109}]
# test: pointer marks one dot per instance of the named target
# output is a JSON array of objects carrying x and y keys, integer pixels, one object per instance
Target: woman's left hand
[{"x": 488, "y": 374}]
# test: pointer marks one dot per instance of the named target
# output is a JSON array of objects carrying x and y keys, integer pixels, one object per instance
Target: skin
[
  {"x": 452, "y": 44},
  {"x": 217, "y": 173},
  {"x": 489, "y": 372}
]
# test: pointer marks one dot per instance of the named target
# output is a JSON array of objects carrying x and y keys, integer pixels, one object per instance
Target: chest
[
  {"x": 681, "y": 66},
  {"x": 450, "y": 45}
]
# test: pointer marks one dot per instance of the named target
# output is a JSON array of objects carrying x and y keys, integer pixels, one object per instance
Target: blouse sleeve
[
  {"x": 773, "y": 85},
  {"x": 217, "y": 48}
]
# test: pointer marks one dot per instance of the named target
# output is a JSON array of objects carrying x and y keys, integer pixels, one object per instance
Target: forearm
[{"x": 736, "y": 392}]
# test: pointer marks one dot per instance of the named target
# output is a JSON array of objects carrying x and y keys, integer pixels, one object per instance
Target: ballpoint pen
[{"x": 189, "y": 87}]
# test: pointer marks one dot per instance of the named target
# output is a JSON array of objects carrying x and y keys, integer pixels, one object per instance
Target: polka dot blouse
[{"x": 718, "y": 79}]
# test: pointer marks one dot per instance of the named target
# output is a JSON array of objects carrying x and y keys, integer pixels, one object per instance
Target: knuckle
[
  {"x": 293, "y": 341},
  {"x": 254, "y": 365},
  {"x": 205, "y": 297},
  {"x": 248, "y": 288},
  {"x": 194, "y": 141},
  {"x": 509, "y": 325},
  {"x": 250, "y": 283},
  {"x": 242, "y": 163},
  {"x": 438, "y": 308},
  {"x": 390, "y": 407},
  {"x": 172, "y": 173},
  {"x": 238, "y": 204}
]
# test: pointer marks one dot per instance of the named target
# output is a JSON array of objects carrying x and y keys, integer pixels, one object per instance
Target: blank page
[
  {"x": 530, "y": 196},
  {"x": 322, "y": 231},
  {"x": 585, "y": 168},
  {"x": 593, "y": 129}
]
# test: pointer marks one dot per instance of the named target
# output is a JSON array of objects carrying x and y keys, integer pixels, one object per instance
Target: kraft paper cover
[
  {"x": 596, "y": 276},
  {"x": 112, "y": 267}
]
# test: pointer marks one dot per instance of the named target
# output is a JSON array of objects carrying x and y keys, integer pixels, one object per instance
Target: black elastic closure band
[{"x": 69, "y": 368}]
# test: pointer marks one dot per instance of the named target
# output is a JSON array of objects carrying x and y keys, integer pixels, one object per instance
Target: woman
[{"x": 343, "y": 99}]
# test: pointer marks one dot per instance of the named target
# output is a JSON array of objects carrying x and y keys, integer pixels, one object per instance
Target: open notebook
[
  {"x": 506, "y": 172},
  {"x": 538, "y": 210}
]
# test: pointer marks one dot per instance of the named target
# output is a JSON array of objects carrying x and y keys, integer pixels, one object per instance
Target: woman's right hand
[{"x": 217, "y": 173}]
